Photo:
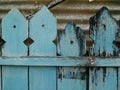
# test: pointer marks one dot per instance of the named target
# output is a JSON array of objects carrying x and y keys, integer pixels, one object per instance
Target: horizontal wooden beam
[{"x": 60, "y": 61}]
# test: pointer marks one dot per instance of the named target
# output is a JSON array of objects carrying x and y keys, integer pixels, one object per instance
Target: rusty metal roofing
[{"x": 78, "y": 11}]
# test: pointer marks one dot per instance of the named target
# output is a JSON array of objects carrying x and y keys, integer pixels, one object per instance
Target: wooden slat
[
  {"x": 43, "y": 32},
  {"x": 71, "y": 42},
  {"x": 71, "y": 78},
  {"x": 60, "y": 61},
  {"x": 118, "y": 78},
  {"x": 103, "y": 30},
  {"x": 14, "y": 78},
  {"x": 14, "y": 32},
  {"x": 103, "y": 79},
  {"x": 0, "y": 78},
  {"x": 42, "y": 78}
]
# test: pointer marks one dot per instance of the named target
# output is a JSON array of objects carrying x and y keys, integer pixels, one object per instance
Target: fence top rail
[{"x": 60, "y": 61}]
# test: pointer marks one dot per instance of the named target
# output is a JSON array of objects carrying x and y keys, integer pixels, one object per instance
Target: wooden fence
[{"x": 34, "y": 57}]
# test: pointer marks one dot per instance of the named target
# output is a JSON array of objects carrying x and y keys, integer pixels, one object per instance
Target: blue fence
[{"x": 35, "y": 57}]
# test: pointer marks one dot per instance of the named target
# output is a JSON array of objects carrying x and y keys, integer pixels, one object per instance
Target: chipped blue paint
[
  {"x": 103, "y": 29},
  {"x": 72, "y": 41},
  {"x": 14, "y": 32},
  {"x": 103, "y": 79},
  {"x": 43, "y": 31},
  {"x": 43, "y": 70},
  {"x": 59, "y": 61}
]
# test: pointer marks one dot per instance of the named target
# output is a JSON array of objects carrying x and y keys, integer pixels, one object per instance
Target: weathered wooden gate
[{"x": 30, "y": 60}]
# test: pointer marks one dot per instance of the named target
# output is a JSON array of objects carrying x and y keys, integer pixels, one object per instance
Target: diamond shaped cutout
[
  {"x": 2, "y": 42},
  {"x": 28, "y": 41}
]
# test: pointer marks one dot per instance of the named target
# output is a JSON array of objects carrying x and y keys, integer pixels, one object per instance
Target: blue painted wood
[
  {"x": 72, "y": 41},
  {"x": 42, "y": 78},
  {"x": 0, "y": 27},
  {"x": 44, "y": 61},
  {"x": 103, "y": 79},
  {"x": 59, "y": 61},
  {"x": 119, "y": 78},
  {"x": 14, "y": 78},
  {"x": 71, "y": 78},
  {"x": 0, "y": 79},
  {"x": 14, "y": 32},
  {"x": 103, "y": 31},
  {"x": 43, "y": 32}
]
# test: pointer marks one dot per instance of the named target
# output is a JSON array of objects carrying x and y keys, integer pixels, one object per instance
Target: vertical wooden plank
[
  {"x": 103, "y": 32},
  {"x": 71, "y": 42},
  {"x": 103, "y": 79},
  {"x": 14, "y": 32},
  {"x": 43, "y": 32},
  {"x": 0, "y": 79},
  {"x": 14, "y": 78},
  {"x": 118, "y": 86},
  {"x": 42, "y": 78},
  {"x": 71, "y": 78}
]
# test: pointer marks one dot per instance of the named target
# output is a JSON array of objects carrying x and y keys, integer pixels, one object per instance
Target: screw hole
[
  {"x": 14, "y": 26},
  {"x": 43, "y": 25},
  {"x": 71, "y": 42},
  {"x": 104, "y": 27}
]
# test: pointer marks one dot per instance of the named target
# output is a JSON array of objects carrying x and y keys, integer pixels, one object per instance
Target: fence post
[
  {"x": 14, "y": 32},
  {"x": 43, "y": 32},
  {"x": 71, "y": 42}
]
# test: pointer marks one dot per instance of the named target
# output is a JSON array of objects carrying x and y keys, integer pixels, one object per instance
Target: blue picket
[
  {"x": 103, "y": 79},
  {"x": 14, "y": 32},
  {"x": 58, "y": 73},
  {"x": 42, "y": 78},
  {"x": 103, "y": 30},
  {"x": 43, "y": 32},
  {"x": 71, "y": 42},
  {"x": 118, "y": 79},
  {"x": 14, "y": 78}
]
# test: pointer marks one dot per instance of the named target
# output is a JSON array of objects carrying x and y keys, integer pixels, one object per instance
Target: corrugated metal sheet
[{"x": 78, "y": 11}]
